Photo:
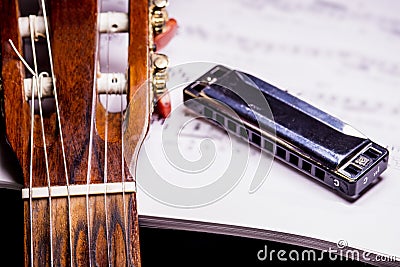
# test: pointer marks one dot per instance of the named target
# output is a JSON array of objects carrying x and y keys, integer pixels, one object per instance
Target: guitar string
[
  {"x": 120, "y": 90},
  {"x": 93, "y": 111},
  {"x": 41, "y": 76},
  {"x": 31, "y": 175},
  {"x": 39, "y": 85},
  {"x": 33, "y": 90},
  {"x": 123, "y": 176},
  {"x": 59, "y": 126},
  {"x": 124, "y": 214},
  {"x": 106, "y": 150},
  {"x": 122, "y": 156}
]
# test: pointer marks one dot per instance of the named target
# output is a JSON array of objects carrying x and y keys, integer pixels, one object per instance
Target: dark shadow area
[
  {"x": 160, "y": 247},
  {"x": 12, "y": 228}
]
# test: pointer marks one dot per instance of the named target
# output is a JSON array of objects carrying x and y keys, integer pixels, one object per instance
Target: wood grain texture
[
  {"x": 112, "y": 243},
  {"x": 16, "y": 109},
  {"x": 60, "y": 231},
  {"x": 79, "y": 232},
  {"x": 74, "y": 41},
  {"x": 111, "y": 231},
  {"x": 138, "y": 111},
  {"x": 74, "y": 57},
  {"x": 138, "y": 46}
]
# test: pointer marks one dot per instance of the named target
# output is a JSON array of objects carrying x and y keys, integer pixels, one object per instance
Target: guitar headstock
[
  {"x": 83, "y": 78},
  {"x": 65, "y": 98}
]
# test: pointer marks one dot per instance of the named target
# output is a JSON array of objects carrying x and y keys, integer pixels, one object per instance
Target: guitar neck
[{"x": 102, "y": 235}]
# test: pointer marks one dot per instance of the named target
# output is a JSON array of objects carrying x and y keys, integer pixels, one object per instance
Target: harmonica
[{"x": 295, "y": 132}]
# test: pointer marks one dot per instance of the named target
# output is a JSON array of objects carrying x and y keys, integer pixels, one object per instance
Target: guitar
[{"x": 79, "y": 193}]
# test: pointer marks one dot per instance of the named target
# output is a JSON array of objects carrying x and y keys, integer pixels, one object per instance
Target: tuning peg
[
  {"x": 163, "y": 27},
  {"x": 162, "y": 101},
  {"x": 160, "y": 3}
]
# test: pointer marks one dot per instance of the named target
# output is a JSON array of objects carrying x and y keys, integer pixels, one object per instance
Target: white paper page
[{"x": 342, "y": 56}]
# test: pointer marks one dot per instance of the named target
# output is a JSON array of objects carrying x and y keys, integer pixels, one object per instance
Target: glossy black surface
[
  {"x": 297, "y": 133},
  {"x": 321, "y": 136}
]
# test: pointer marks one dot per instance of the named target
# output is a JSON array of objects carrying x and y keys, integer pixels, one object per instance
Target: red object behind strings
[{"x": 161, "y": 40}]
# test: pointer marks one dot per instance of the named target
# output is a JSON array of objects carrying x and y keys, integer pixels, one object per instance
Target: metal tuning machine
[{"x": 162, "y": 30}]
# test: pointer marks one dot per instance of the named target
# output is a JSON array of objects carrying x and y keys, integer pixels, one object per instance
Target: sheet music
[{"x": 342, "y": 56}]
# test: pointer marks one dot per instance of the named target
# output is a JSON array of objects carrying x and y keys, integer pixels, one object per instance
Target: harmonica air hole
[
  {"x": 208, "y": 113},
  {"x": 372, "y": 153},
  {"x": 220, "y": 119},
  {"x": 244, "y": 133},
  {"x": 294, "y": 159},
  {"x": 280, "y": 152},
  {"x": 306, "y": 166},
  {"x": 353, "y": 170},
  {"x": 231, "y": 126},
  {"x": 268, "y": 146},
  {"x": 319, "y": 173},
  {"x": 256, "y": 139}
]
